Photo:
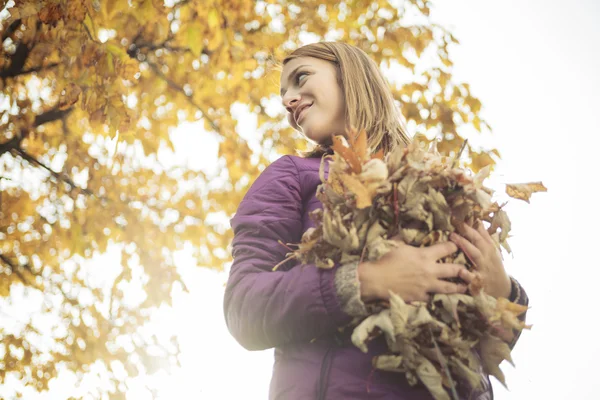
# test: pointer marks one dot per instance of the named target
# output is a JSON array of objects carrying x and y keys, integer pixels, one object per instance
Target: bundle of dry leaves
[{"x": 422, "y": 197}]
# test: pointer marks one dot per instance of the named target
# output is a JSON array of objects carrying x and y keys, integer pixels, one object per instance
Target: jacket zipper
[{"x": 324, "y": 377}]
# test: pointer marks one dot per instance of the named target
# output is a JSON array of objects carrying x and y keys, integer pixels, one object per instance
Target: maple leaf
[
  {"x": 374, "y": 177},
  {"x": 400, "y": 313},
  {"x": 382, "y": 321},
  {"x": 493, "y": 351},
  {"x": 336, "y": 233},
  {"x": 450, "y": 303},
  {"x": 348, "y": 154},
  {"x": 507, "y": 312},
  {"x": 432, "y": 379},
  {"x": 389, "y": 363},
  {"x": 523, "y": 191},
  {"x": 358, "y": 142},
  {"x": 466, "y": 372},
  {"x": 356, "y": 187}
]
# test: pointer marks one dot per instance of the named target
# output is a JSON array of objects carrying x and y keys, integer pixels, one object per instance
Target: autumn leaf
[
  {"x": 507, "y": 312},
  {"x": 362, "y": 332},
  {"x": 523, "y": 191},
  {"x": 388, "y": 363},
  {"x": 358, "y": 143},
  {"x": 493, "y": 352},
  {"x": 379, "y": 155},
  {"x": 355, "y": 186},
  {"x": 432, "y": 379},
  {"x": 348, "y": 154},
  {"x": 463, "y": 371},
  {"x": 69, "y": 96}
]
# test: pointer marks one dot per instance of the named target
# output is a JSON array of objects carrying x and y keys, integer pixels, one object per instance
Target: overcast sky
[{"x": 534, "y": 65}]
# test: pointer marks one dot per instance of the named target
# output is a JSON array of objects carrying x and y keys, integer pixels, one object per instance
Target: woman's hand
[
  {"x": 480, "y": 248},
  {"x": 412, "y": 273}
]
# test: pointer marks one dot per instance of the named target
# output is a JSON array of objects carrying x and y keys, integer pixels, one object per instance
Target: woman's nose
[{"x": 289, "y": 100}]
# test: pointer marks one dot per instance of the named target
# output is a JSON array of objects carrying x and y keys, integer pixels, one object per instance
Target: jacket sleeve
[
  {"x": 519, "y": 296},
  {"x": 297, "y": 303}
]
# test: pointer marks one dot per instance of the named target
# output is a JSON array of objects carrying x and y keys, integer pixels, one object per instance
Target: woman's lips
[{"x": 302, "y": 113}]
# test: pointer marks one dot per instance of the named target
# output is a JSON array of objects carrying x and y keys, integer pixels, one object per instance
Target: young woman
[{"x": 326, "y": 88}]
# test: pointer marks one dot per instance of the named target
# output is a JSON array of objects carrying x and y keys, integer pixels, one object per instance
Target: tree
[{"x": 78, "y": 75}]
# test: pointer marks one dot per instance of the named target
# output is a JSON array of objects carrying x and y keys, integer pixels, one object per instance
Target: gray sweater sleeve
[{"x": 347, "y": 288}]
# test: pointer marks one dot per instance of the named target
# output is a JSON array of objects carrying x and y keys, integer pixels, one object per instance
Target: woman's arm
[{"x": 263, "y": 308}]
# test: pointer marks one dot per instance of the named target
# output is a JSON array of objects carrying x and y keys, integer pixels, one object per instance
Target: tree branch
[
  {"x": 61, "y": 177},
  {"x": 21, "y": 53},
  {"x": 13, "y": 143},
  {"x": 48, "y": 116},
  {"x": 13, "y": 268},
  {"x": 11, "y": 28},
  {"x": 53, "y": 114},
  {"x": 17, "y": 59},
  {"x": 137, "y": 46},
  {"x": 9, "y": 73}
]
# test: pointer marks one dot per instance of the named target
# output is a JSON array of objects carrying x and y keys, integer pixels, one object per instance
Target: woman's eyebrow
[{"x": 282, "y": 92}]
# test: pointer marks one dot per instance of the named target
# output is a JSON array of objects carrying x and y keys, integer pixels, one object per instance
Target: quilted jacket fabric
[{"x": 296, "y": 309}]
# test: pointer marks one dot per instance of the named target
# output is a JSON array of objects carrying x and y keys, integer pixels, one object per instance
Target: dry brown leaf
[
  {"x": 363, "y": 198},
  {"x": 377, "y": 248},
  {"x": 507, "y": 312},
  {"x": 336, "y": 232},
  {"x": 400, "y": 313},
  {"x": 463, "y": 371},
  {"x": 362, "y": 332},
  {"x": 450, "y": 303},
  {"x": 388, "y": 363},
  {"x": 493, "y": 351},
  {"x": 523, "y": 191},
  {"x": 432, "y": 379}
]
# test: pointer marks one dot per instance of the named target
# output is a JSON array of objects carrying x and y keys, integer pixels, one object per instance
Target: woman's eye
[{"x": 299, "y": 75}]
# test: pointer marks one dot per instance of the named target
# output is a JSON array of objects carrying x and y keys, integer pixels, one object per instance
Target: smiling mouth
[{"x": 302, "y": 113}]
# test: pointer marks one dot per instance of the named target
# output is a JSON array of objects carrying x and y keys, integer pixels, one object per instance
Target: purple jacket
[{"x": 299, "y": 308}]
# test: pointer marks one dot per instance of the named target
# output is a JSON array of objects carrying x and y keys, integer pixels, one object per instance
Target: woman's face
[{"x": 313, "y": 98}]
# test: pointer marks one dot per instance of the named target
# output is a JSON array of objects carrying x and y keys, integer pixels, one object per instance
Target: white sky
[{"x": 534, "y": 65}]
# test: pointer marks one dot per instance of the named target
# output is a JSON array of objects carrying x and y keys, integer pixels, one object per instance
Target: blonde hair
[{"x": 369, "y": 101}]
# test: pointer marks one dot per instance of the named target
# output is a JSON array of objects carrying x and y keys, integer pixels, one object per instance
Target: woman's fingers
[
  {"x": 470, "y": 250},
  {"x": 444, "y": 287},
  {"x": 484, "y": 233},
  {"x": 448, "y": 270},
  {"x": 466, "y": 275},
  {"x": 441, "y": 250},
  {"x": 472, "y": 234}
]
